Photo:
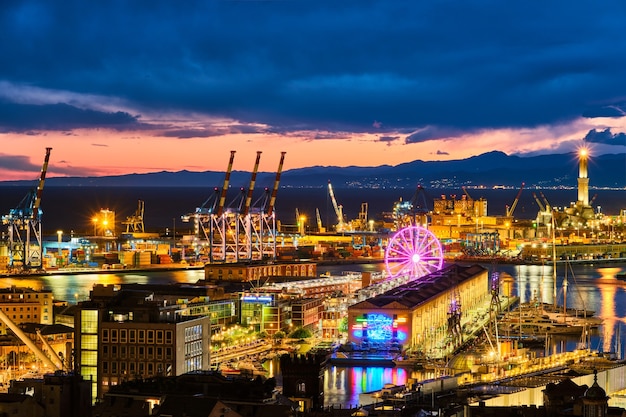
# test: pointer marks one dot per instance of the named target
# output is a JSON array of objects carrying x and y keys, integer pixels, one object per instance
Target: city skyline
[{"x": 140, "y": 87}]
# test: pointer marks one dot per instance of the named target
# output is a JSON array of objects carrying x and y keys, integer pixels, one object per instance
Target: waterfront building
[
  {"x": 26, "y": 305},
  {"x": 334, "y": 312},
  {"x": 139, "y": 333},
  {"x": 265, "y": 312},
  {"x": 245, "y": 272},
  {"x": 544, "y": 251},
  {"x": 421, "y": 315},
  {"x": 306, "y": 313}
]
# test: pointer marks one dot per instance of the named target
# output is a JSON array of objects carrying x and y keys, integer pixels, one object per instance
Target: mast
[{"x": 553, "y": 259}]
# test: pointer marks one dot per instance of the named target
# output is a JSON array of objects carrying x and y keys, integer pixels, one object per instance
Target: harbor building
[
  {"x": 245, "y": 272},
  {"x": 422, "y": 315},
  {"x": 131, "y": 334}
]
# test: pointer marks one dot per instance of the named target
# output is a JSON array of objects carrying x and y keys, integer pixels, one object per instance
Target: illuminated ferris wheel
[{"x": 413, "y": 251}]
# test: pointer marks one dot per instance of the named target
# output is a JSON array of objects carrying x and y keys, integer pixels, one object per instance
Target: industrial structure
[
  {"x": 242, "y": 230},
  {"x": 24, "y": 227},
  {"x": 134, "y": 223}
]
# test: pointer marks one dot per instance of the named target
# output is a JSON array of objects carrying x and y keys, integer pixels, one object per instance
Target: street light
[
  {"x": 59, "y": 238},
  {"x": 95, "y": 224}
]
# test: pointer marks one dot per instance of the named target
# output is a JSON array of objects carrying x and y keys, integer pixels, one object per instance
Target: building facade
[
  {"x": 241, "y": 272},
  {"x": 25, "y": 305},
  {"x": 139, "y": 334},
  {"x": 418, "y": 315}
]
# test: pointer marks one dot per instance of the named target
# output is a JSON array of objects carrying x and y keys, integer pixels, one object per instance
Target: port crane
[
  {"x": 411, "y": 212},
  {"x": 320, "y": 228},
  {"x": 134, "y": 223},
  {"x": 24, "y": 226},
  {"x": 341, "y": 226},
  {"x": 241, "y": 230},
  {"x": 510, "y": 210}
]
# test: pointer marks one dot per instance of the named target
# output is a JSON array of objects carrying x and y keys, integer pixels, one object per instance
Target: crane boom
[
  {"x": 246, "y": 207},
  {"x": 338, "y": 208},
  {"x": 541, "y": 207},
  {"x": 220, "y": 206},
  {"x": 270, "y": 207},
  {"x": 510, "y": 210},
  {"x": 319, "y": 220},
  {"x": 42, "y": 179}
]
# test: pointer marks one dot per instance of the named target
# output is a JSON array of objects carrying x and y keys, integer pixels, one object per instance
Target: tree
[
  {"x": 279, "y": 335},
  {"x": 300, "y": 333},
  {"x": 343, "y": 325}
]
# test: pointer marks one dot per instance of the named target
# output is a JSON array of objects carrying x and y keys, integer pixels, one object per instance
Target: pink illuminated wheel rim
[{"x": 413, "y": 251}]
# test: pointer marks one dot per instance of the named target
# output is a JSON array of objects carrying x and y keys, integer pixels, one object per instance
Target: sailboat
[{"x": 541, "y": 319}]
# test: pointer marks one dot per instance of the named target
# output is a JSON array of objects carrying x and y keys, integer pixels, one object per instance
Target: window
[
  {"x": 123, "y": 336},
  {"x": 150, "y": 336},
  {"x": 301, "y": 387},
  {"x": 159, "y": 336},
  {"x": 114, "y": 336},
  {"x": 168, "y": 337},
  {"x": 142, "y": 335},
  {"x": 132, "y": 334}
]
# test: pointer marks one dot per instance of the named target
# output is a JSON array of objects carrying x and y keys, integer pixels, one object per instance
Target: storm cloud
[{"x": 433, "y": 68}]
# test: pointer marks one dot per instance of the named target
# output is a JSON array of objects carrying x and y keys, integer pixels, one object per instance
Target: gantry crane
[
  {"x": 240, "y": 230},
  {"x": 341, "y": 225},
  {"x": 24, "y": 224},
  {"x": 134, "y": 223},
  {"x": 411, "y": 212}
]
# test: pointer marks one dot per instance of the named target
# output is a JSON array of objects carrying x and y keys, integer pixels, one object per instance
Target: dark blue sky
[{"x": 332, "y": 83}]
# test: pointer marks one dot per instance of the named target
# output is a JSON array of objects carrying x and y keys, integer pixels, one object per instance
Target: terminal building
[{"x": 423, "y": 315}]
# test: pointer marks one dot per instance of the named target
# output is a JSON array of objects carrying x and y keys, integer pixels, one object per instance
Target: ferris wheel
[{"x": 414, "y": 251}]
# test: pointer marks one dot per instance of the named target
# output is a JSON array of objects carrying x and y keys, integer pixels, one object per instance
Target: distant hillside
[{"x": 489, "y": 169}]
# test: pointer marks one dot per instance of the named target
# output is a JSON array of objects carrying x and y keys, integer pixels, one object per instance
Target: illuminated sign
[
  {"x": 263, "y": 299},
  {"x": 380, "y": 328}
]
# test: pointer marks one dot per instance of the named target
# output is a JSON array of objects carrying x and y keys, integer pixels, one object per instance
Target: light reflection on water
[{"x": 74, "y": 288}]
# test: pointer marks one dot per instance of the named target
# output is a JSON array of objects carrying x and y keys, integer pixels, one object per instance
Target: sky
[{"x": 120, "y": 87}]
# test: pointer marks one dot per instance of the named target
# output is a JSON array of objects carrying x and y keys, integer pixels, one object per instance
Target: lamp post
[
  {"x": 59, "y": 238},
  {"x": 95, "y": 224}
]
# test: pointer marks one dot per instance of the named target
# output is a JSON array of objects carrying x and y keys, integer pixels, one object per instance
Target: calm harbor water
[{"x": 592, "y": 287}]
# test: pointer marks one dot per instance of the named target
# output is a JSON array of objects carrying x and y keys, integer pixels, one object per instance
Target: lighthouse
[{"x": 583, "y": 179}]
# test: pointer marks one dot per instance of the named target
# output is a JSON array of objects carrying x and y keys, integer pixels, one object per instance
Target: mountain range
[{"x": 489, "y": 170}]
